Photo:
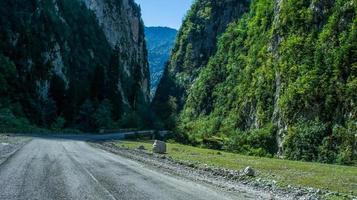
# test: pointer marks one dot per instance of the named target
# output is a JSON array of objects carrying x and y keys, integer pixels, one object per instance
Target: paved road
[{"x": 46, "y": 169}]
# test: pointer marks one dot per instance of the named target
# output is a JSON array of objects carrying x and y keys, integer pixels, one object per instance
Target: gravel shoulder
[
  {"x": 227, "y": 180},
  {"x": 9, "y": 145}
]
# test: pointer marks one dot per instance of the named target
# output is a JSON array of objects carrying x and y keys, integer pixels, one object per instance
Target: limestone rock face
[
  {"x": 68, "y": 52},
  {"x": 159, "y": 147},
  {"x": 122, "y": 25}
]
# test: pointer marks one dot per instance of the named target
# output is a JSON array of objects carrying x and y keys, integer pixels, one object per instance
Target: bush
[
  {"x": 339, "y": 146},
  {"x": 10, "y": 123},
  {"x": 130, "y": 120},
  {"x": 258, "y": 142},
  {"x": 303, "y": 140},
  {"x": 58, "y": 124},
  {"x": 213, "y": 143},
  {"x": 103, "y": 115}
]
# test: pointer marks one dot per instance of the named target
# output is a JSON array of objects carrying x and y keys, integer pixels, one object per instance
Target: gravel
[
  {"x": 9, "y": 144},
  {"x": 225, "y": 179}
]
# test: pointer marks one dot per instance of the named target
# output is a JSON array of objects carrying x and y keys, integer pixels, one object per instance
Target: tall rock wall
[
  {"x": 71, "y": 56},
  {"x": 195, "y": 44},
  {"x": 282, "y": 81}
]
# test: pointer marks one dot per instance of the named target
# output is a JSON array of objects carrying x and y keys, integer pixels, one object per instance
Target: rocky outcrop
[
  {"x": 123, "y": 28},
  {"x": 279, "y": 83},
  {"x": 74, "y": 51},
  {"x": 196, "y": 43}
]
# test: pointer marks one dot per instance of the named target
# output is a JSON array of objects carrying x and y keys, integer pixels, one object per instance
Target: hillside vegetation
[
  {"x": 282, "y": 82},
  {"x": 331, "y": 177},
  {"x": 195, "y": 44},
  {"x": 66, "y": 64}
]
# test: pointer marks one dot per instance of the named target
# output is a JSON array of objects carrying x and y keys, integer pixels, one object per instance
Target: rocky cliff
[
  {"x": 195, "y": 44},
  {"x": 281, "y": 82},
  {"x": 70, "y": 58}
]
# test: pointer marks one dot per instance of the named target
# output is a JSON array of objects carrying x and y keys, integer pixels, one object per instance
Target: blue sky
[{"x": 164, "y": 12}]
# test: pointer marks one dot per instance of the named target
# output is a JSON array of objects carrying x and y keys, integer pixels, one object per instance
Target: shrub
[
  {"x": 258, "y": 142},
  {"x": 339, "y": 146},
  {"x": 103, "y": 115},
  {"x": 58, "y": 124},
  {"x": 213, "y": 143},
  {"x": 10, "y": 123},
  {"x": 303, "y": 140}
]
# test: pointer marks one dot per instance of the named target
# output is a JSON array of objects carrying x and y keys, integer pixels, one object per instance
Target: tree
[
  {"x": 84, "y": 119},
  {"x": 103, "y": 115}
]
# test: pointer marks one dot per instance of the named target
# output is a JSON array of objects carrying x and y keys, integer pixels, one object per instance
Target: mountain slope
[
  {"x": 283, "y": 82},
  {"x": 72, "y": 59},
  {"x": 280, "y": 81},
  {"x": 196, "y": 42},
  {"x": 160, "y": 41}
]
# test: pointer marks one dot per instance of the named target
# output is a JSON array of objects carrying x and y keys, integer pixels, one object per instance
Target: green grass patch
[{"x": 337, "y": 178}]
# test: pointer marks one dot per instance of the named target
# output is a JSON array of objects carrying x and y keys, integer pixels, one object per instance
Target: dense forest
[
  {"x": 280, "y": 80},
  {"x": 72, "y": 63},
  {"x": 160, "y": 41}
]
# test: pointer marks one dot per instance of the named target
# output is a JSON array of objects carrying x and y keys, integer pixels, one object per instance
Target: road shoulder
[
  {"x": 224, "y": 180},
  {"x": 9, "y": 145}
]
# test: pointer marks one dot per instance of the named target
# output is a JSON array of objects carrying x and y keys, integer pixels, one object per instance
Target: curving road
[{"x": 46, "y": 169}]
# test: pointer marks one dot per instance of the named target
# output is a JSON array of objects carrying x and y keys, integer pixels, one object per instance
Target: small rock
[
  {"x": 159, "y": 147},
  {"x": 248, "y": 171}
]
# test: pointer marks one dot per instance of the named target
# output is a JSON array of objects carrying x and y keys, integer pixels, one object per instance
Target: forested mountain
[
  {"x": 160, "y": 41},
  {"x": 73, "y": 63},
  {"x": 281, "y": 80},
  {"x": 195, "y": 44}
]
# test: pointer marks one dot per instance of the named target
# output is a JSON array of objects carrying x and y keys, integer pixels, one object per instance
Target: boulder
[
  {"x": 159, "y": 147},
  {"x": 248, "y": 171}
]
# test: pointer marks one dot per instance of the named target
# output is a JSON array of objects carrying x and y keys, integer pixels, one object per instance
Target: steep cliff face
[
  {"x": 195, "y": 44},
  {"x": 281, "y": 82},
  {"x": 123, "y": 28},
  {"x": 73, "y": 57}
]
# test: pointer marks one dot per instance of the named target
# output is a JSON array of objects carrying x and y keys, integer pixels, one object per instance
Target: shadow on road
[{"x": 90, "y": 137}]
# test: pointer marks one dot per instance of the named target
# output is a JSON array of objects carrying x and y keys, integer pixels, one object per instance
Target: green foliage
[
  {"x": 303, "y": 140},
  {"x": 7, "y": 75},
  {"x": 195, "y": 44},
  {"x": 58, "y": 124},
  {"x": 335, "y": 178},
  {"x": 54, "y": 56},
  {"x": 131, "y": 120},
  {"x": 258, "y": 142},
  {"x": 340, "y": 147},
  {"x": 103, "y": 115},
  {"x": 85, "y": 121},
  {"x": 10, "y": 123},
  {"x": 309, "y": 141},
  {"x": 293, "y": 67}
]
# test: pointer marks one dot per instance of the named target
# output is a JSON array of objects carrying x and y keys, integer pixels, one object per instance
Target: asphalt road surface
[{"x": 49, "y": 168}]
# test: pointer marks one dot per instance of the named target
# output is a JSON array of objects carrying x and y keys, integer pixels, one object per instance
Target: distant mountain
[{"x": 160, "y": 41}]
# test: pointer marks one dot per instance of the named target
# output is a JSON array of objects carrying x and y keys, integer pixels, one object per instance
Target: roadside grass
[
  {"x": 5, "y": 139},
  {"x": 336, "y": 178}
]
